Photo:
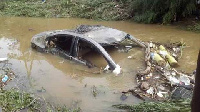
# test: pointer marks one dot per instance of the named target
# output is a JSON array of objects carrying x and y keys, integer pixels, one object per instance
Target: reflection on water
[{"x": 69, "y": 83}]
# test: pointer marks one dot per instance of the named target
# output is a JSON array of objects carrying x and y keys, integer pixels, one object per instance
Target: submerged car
[{"x": 72, "y": 44}]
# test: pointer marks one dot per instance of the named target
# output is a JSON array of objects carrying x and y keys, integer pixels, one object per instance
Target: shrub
[{"x": 165, "y": 11}]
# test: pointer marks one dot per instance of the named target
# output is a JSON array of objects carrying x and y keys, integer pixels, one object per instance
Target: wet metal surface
[{"x": 68, "y": 83}]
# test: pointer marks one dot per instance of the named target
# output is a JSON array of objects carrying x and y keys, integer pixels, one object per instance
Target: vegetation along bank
[
  {"x": 142, "y": 11},
  {"x": 145, "y": 11}
]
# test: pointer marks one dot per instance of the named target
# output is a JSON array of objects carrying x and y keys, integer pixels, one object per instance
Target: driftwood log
[
  {"x": 147, "y": 55},
  {"x": 147, "y": 60}
]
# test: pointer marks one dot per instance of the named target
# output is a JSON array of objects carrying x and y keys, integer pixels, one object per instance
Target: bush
[
  {"x": 165, "y": 11},
  {"x": 195, "y": 27},
  {"x": 2, "y": 5}
]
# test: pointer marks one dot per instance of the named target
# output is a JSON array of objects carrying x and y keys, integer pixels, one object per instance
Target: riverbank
[
  {"x": 189, "y": 25},
  {"x": 15, "y": 100},
  {"x": 96, "y": 10}
]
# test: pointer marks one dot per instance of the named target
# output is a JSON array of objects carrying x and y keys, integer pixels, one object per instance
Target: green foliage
[
  {"x": 14, "y": 100},
  {"x": 165, "y": 11},
  {"x": 2, "y": 5},
  {"x": 19, "y": 8},
  {"x": 143, "y": 11},
  {"x": 168, "y": 106},
  {"x": 147, "y": 17},
  {"x": 195, "y": 27}
]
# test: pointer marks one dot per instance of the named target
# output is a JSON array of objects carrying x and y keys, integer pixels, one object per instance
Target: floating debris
[
  {"x": 42, "y": 90},
  {"x": 6, "y": 74},
  {"x": 160, "y": 79},
  {"x": 3, "y": 59},
  {"x": 94, "y": 91},
  {"x": 123, "y": 97}
]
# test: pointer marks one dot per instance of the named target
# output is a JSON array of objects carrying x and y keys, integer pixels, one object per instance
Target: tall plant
[{"x": 165, "y": 11}]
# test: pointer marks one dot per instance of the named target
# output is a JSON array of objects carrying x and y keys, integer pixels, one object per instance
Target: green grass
[
  {"x": 194, "y": 27},
  {"x": 90, "y": 9},
  {"x": 14, "y": 100},
  {"x": 167, "y": 106}
]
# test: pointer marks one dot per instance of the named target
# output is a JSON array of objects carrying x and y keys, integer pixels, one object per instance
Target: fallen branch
[
  {"x": 147, "y": 60},
  {"x": 142, "y": 44}
]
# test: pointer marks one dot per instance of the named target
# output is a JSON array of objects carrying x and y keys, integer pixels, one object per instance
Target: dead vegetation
[{"x": 160, "y": 78}]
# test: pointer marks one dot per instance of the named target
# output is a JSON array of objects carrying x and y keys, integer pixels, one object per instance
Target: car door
[{"x": 84, "y": 45}]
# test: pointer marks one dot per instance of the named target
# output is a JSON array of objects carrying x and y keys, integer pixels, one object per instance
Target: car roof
[{"x": 101, "y": 34}]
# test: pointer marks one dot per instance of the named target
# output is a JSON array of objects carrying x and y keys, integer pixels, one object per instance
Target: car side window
[{"x": 62, "y": 42}]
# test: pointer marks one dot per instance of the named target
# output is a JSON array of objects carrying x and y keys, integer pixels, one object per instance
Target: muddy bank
[{"x": 66, "y": 82}]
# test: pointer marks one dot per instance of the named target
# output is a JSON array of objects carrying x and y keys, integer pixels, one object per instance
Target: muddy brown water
[{"x": 70, "y": 84}]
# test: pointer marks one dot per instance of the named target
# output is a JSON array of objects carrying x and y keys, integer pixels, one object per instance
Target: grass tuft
[{"x": 167, "y": 106}]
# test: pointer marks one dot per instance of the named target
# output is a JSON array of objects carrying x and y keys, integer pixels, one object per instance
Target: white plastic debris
[
  {"x": 174, "y": 49},
  {"x": 106, "y": 68},
  {"x": 3, "y": 59},
  {"x": 184, "y": 79},
  {"x": 150, "y": 90},
  {"x": 163, "y": 53},
  {"x": 173, "y": 80},
  {"x": 160, "y": 94},
  {"x": 152, "y": 55},
  {"x": 150, "y": 44},
  {"x": 157, "y": 77},
  {"x": 150, "y": 75},
  {"x": 5, "y": 78},
  {"x": 128, "y": 46},
  {"x": 174, "y": 55},
  {"x": 173, "y": 73},
  {"x": 117, "y": 70},
  {"x": 129, "y": 57},
  {"x": 167, "y": 74}
]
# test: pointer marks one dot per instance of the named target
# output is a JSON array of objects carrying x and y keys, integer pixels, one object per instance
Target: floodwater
[{"x": 67, "y": 83}]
